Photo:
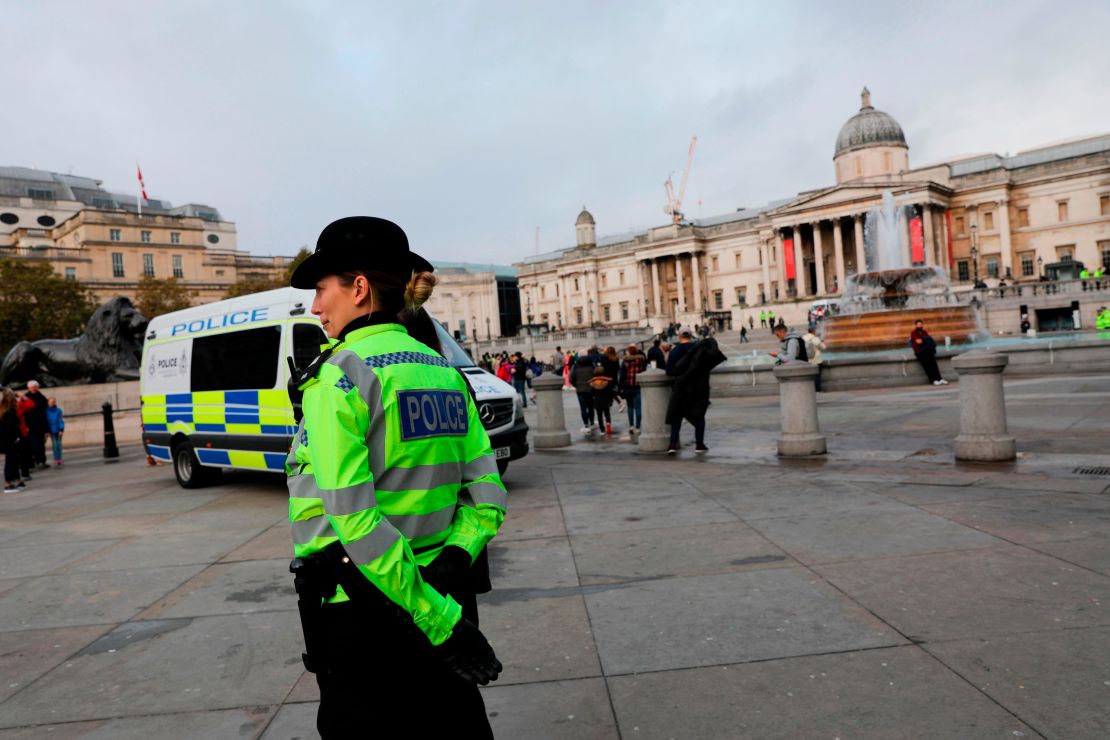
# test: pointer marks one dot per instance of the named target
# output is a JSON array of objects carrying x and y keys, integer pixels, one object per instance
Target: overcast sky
[{"x": 472, "y": 123}]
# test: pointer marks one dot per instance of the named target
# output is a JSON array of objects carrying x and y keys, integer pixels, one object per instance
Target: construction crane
[{"x": 673, "y": 208}]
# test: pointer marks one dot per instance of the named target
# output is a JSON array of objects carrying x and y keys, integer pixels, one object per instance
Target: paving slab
[
  {"x": 554, "y": 710},
  {"x": 38, "y": 560},
  {"x": 975, "y": 593},
  {"x": 272, "y": 544},
  {"x": 159, "y": 550},
  {"x": 305, "y": 690},
  {"x": 616, "y": 557},
  {"x": 26, "y": 655},
  {"x": 1034, "y": 519},
  {"x": 230, "y": 588},
  {"x": 294, "y": 722},
  {"x": 1066, "y": 700},
  {"x": 532, "y": 523},
  {"x": 888, "y": 694},
  {"x": 726, "y": 618},
  {"x": 1089, "y": 552},
  {"x": 245, "y": 722},
  {"x": 610, "y": 506},
  {"x": 174, "y": 665},
  {"x": 542, "y": 563}
]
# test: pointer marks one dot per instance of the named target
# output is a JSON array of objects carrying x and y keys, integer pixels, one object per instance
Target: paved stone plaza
[{"x": 882, "y": 592}]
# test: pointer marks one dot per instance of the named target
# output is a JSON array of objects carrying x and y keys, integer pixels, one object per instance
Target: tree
[
  {"x": 253, "y": 284},
  {"x": 36, "y": 303},
  {"x": 301, "y": 256},
  {"x": 156, "y": 297}
]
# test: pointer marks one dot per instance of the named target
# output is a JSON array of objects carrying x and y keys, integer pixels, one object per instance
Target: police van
[{"x": 213, "y": 387}]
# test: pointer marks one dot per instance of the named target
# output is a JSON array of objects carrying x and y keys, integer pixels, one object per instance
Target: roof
[
  {"x": 506, "y": 271},
  {"x": 1052, "y": 153},
  {"x": 585, "y": 217},
  {"x": 868, "y": 128}
]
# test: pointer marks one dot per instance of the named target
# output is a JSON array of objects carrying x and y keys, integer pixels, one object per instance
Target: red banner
[
  {"x": 917, "y": 241},
  {"x": 788, "y": 257}
]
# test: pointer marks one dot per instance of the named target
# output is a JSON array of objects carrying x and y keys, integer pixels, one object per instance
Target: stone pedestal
[
  {"x": 551, "y": 425},
  {"x": 655, "y": 394},
  {"x": 983, "y": 435},
  {"x": 798, "y": 410}
]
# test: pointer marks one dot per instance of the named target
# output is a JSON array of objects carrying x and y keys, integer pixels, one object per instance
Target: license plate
[{"x": 501, "y": 453}]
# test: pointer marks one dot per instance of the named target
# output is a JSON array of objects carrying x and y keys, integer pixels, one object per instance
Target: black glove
[
  {"x": 468, "y": 655},
  {"x": 449, "y": 573}
]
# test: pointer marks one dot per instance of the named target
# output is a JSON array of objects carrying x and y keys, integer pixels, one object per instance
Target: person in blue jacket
[{"x": 56, "y": 425}]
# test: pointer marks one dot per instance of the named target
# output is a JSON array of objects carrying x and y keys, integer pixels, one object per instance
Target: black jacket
[
  {"x": 581, "y": 374},
  {"x": 690, "y": 395},
  {"x": 10, "y": 435}
]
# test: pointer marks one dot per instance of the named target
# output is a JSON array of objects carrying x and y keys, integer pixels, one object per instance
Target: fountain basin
[{"x": 878, "y": 330}]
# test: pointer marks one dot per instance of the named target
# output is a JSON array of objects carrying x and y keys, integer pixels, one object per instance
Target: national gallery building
[{"x": 993, "y": 217}]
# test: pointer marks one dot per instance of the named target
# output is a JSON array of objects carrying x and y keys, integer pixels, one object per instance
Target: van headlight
[{"x": 518, "y": 409}]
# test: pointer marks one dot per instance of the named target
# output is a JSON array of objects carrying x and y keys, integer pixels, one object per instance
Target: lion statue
[{"x": 109, "y": 350}]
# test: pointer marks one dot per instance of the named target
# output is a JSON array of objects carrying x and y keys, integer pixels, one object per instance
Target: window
[
  {"x": 578, "y": 315},
  {"x": 114, "y": 235},
  {"x": 715, "y": 264},
  {"x": 605, "y": 313},
  {"x": 1023, "y": 217},
  {"x": 148, "y": 265},
  {"x": 178, "y": 270},
  {"x": 542, "y": 291},
  {"x": 959, "y": 224},
  {"x": 624, "y": 311},
  {"x": 604, "y": 279},
  {"x": 213, "y": 239},
  {"x": 1062, "y": 211},
  {"x": 742, "y": 294},
  {"x": 144, "y": 237},
  {"x": 576, "y": 285},
  {"x": 307, "y": 339},
  {"x": 219, "y": 273},
  {"x": 175, "y": 237},
  {"x": 117, "y": 264},
  {"x": 235, "y": 360},
  {"x": 1027, "y": 264},
  {"x": 718, "y": 299},
  {"x": 37, "y": 194},
  {"x": 774, "y": 291},
  {"x": 543, "y": 319},
  {"x": 71, "y": 273},
  {"x": 738, "y": 261},
  {"x": 620, "y": 277},
  {"x": 887, "y": 165},
  {"x": 1104, "y": 205},
  {"x": 1065, "y": 253},
  {"x": 988, "y": 221},
  {"x": 1104, "y": 253},
  {"x": 992, "y": 267},
  {"x": 962, "y": 271},
  {"x": 556, "y": 290}
]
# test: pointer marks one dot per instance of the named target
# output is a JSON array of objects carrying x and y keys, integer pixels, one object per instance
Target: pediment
[{"x": 850, "y": 194}]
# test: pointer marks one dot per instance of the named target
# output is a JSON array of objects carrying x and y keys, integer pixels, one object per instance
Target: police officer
[{"x": 393, "y": 495}]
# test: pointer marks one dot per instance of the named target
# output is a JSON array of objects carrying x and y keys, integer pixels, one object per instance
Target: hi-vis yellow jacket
[{"x": 392, "y": 460}]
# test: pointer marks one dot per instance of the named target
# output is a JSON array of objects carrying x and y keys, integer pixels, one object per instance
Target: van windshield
[{"x": 455, "y": 354}]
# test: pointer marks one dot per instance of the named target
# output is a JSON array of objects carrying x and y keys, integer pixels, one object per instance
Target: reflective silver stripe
[
  {"x": 309, "y": 529},
  {"x": 479, "y": 466},
  {"x": 349, "y": 500},
  {"x": 373, "y": 545},
  {"x": 302, "y": 486},
  {"x": 370, "y": 390},
  {"x": 414, "y": 526},
  {"x": 484, "y": 492},
  {"x": 420, "y": 478}
]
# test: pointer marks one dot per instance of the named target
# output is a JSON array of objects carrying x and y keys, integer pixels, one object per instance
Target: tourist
[
  {"x": 925, "y": 349},
  {"x": 690, "y": 364},
  {"x": 36, "y": 424},
  {"x": 743, "y": 334},
  {"x": 56, "y": 425},
  {"x": 558, "y": 360},
  {"x": 568, "y": 363},
  {"x": 751, "y": 322},
  {"x": 655, "y": 354},
  {"x": 628, "y": 381},
  {"x": 792, "y": 348},
  {"x": 580, "y": 376},
  {"x": 603, "y": 384},
  {"x": 504, "y": 369},
  {"x": 1025, "y": 325},
  {"x": 814, "y": 344},
  {"x": 10, "y": 441},
  {"x": 23, "y": 410},
  {"x": 518, "y": 370}
]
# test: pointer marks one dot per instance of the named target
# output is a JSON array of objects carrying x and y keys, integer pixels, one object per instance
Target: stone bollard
[
  {"x": 551, "y": 425},
  {"x": 655, "y": 394},
  {"x": 983, "y": 435},
  {"x": 798, "y": 409},
  {"x": 111, "y": 451}
]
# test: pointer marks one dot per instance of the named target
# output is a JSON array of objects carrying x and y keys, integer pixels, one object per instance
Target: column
[
  {"x": 642, "y": 277},
  {"x": 564, "y": 304},
  {"x": 656, "y": 294},
  {"x": 861, "y": 261},
  {"x": 801, "y": 287},
  {"x": 1004, "y": 238},
  {"x": 695, "y": 268},
  {"x": 781, "y": 263},
  {"x": 765, "y": 260},
  {"x": 819, "y": 257},
  {"x": 838, "y": 257},
  {"x": 945, "y": 261},
  {"x": 927, "y": 227},
  {"x": 681, "y": 288},
  {"x": 592, "y": 309}
]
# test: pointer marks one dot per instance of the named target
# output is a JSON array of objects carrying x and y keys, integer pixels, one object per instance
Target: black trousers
[
  {"x": 384, "y": 673},
  {"x": 929, "y": 365},
  {"x": 38, "y": 446}
]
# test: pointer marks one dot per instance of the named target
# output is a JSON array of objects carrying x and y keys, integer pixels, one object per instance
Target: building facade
[
  {"x": 476, "y": 302},
  {"x": 990, "y": 216},
  {"x": 99, "y": 238}
]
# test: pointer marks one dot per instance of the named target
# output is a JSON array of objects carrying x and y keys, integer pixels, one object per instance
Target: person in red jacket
[
  {"x": 23, "y": 410},
  {"x": 925, "y": 349}
]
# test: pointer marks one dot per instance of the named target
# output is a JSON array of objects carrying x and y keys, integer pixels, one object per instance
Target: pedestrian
[
  {"x": 603, "y": 386},
  {"x": 389, "y": 554},
  {"x": 518, "y": 371},
  {"x": 595, "y": 355},
  {"x": 633, "y": 364},
  {"x": 814, "y": 344},
  {"x": 505, "y": 369},
  {"x": 56, "y": 425},
  {"x": 36, "y": 424},
  {"x": 558, "y": 360},
  {"x": 1025, "y": 325},
  {"x": 771, "y": 320},
  {"x": 580, "y": 376},
  {"x": 568, "y": 364},
  {"x": 24, "y": 408},
  {"x": 655, "y": 354},
  {"x": 10, "y": 441},
  {"x": 690, "y": 364},
  {"x": 1102, "y": 319},
  {"x": 743, "y": 334},
  {"x": 792, "y": 348},
  {"x": 751, "y": 322},
  {"x": 762, "y": 320},
  {"x": 925, "y": 349}
]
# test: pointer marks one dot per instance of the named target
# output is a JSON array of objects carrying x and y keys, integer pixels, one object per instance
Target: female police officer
[{"x": 391, "y": 481}]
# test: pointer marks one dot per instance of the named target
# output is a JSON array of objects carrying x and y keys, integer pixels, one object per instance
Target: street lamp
[
  {"x": 488, "y": 335},
  {"x": 1040, "y": 267},
  {"x": 474, "y": 329},
  {"x": 975, "y": 252}
]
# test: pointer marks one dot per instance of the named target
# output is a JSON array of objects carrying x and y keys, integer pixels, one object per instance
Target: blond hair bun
[{"x": 419, "y": 290}]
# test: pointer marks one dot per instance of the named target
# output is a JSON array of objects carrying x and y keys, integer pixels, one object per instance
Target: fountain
[{"x": 879, "y": 307}]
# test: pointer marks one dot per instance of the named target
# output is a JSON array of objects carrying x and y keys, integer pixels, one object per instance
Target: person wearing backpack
[
  {"x": 814, "y": 344},
  {"x": 925, "y": 350},
  {"x": 634, "y": 363},
  {"x": 793, "y": 349},
  {"x": 580, "y": 376}
]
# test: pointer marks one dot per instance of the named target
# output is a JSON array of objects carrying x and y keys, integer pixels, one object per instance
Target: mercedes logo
[{"x": 485, "y": 413}]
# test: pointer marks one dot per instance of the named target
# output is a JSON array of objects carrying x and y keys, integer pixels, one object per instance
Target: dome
[
  {"x": 585, "y": 218},
  {"x": 867, "y": 128}
]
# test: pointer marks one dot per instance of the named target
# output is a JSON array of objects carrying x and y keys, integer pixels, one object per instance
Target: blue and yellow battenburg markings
[{"x": 236, "y": 414}]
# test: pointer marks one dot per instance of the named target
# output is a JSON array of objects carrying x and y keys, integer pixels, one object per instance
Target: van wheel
[
  {"x": 502, "y": 466},
  {"x": 188, "y": 470}
]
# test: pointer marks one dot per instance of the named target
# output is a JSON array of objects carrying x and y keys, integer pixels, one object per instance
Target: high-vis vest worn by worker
[{"x": 391, "y": 459}]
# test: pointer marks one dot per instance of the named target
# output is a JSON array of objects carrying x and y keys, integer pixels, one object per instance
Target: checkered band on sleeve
[
  {"x": 397, "y": 358},
  {"x": 344, "y": 384}
]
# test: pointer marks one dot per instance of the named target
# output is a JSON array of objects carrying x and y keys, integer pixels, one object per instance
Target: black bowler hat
[{"x": 359, "y": 242}]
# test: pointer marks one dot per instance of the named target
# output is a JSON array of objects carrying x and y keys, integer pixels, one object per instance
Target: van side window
[
  {"x": 236, "y": 360},
  {"x": 307, "y": 339}
]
